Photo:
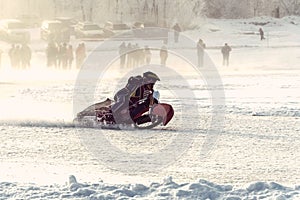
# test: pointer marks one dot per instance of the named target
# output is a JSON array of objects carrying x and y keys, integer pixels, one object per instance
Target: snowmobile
[{"x": 101, "y": 115}]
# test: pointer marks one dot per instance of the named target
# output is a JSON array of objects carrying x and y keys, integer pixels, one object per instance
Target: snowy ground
[{"x": 255, "y": 156}]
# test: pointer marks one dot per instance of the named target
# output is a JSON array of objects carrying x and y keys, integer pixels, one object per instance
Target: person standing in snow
[
  {"x": 225, "y": 51},
  {"x": 17, "y": 56},
  {"x": 80, "y": 55},
  {"x": 163, "y": 55},
  {"x": 148, "y": 55},
  {"x": 200, "y": 52},
  {"x": 122, "y": 53},
  {"x": 177, "y": 31},
  {"x": 1, "y": 52},
  {"x": 129, "y": 55},
  {"x": 70, "y": 56},
  {"x": 25, "y": 56},
  {"x": 51, "y": 54},
  {"x": 261, "y": 33},
  {"x": 11, "y": 54},
  {"x": 63, "y": 55}
]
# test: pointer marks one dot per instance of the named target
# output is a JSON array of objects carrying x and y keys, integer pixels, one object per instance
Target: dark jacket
[{"x": 225, "y": 50}]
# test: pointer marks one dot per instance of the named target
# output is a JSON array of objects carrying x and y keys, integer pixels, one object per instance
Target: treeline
[
  {"x": 164, "y": 12},
  {"x": 250, "y": 8}
]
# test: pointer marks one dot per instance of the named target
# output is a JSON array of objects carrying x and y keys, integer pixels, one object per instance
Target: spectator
[
  {"x": 80, "y": 55},
  {"x": 25, "y": 56},
  {"x": 83, "y": 50},
  {"x": 148, "y": 55},
  {"x": 141, "y": 56},
  {"x": 17, "y": 56},
  {"x": 225, "y": 51},
  {"x": 11, "y": 54},
  {"x": 122, "y": 53},
  {"x": 129, "y": 50},
  {"x": 63, "y": 55},
  {"x": 177, "y": 31},
  {"x": 136, "y": 55},
  {"x": 59, "y": 55},
  {"x": 200, "y": 52},
  {"x": 261, "y": 33},
  {"x": 51, "y": 54},
  {"x": 77, "y": 55},
  {"x": 163, "y": 55},
  {"x": 1, "y": 58},
  {"x": 70, "y": 56}
]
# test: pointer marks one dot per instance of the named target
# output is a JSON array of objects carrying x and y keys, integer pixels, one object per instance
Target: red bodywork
[{"x": 163, "y": 110}]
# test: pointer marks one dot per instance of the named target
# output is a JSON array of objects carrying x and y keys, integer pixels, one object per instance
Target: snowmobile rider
[{"x": 135, "y": 99}]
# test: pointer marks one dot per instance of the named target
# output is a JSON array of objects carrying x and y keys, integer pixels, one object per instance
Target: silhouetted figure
[
  {"x": 163, "y": 55},
  {"x": 70, "y": 56},
  {"x": 122, "y": 53},
  {"x": 11, "y": 54},
  {"x": 51, "y": 54},
  {"x": 140, "y": 56},
  {"x": 129, "y": 50},
  {"x": 17, "y": 57},
  {"x": 136, "y": 55},
  {"x": 80, "y": 55},
  {"x": 261, "y": 33},
  {"x": 200, "y": 52},
  {"x": 1, "y": 52},
  {"x": 148, "y": 55},
  {"x": 177, "y": 31},
  {"x": 63, "y": 55},
  {"x": 225, "y": 51},
  {"x": 25, "y": 56}
]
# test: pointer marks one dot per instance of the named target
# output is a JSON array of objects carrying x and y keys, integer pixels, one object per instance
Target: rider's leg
[
  {"x": 135, "y": 113},
  {"x": 143, "y": 119}
]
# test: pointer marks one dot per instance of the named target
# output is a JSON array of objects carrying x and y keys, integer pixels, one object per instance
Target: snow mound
[
  {"x": 168, "y": 189},
  {"x": 281, "y": 112}
]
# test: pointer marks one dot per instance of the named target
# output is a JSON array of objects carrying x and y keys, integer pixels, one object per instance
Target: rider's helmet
[
  {"x": 134, "y": 82},
  {"x": 150, "y": 77}
]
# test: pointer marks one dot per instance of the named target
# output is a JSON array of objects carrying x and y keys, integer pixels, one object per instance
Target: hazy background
[{"x": 164, "y": 12}]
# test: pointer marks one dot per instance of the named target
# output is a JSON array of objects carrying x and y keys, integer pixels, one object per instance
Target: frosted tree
[
  {"x": 237, "y": 9},
  {"x": 245, "y": 8},
  {"x": 184, "y": 12},
  {"x": 162, "y": 12},
  {"x": 290, "y": 7},
  {"x": 214, "y": 8},
  {"x": 232, "y": 8},
  {"x": 257, "y": 7}
]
